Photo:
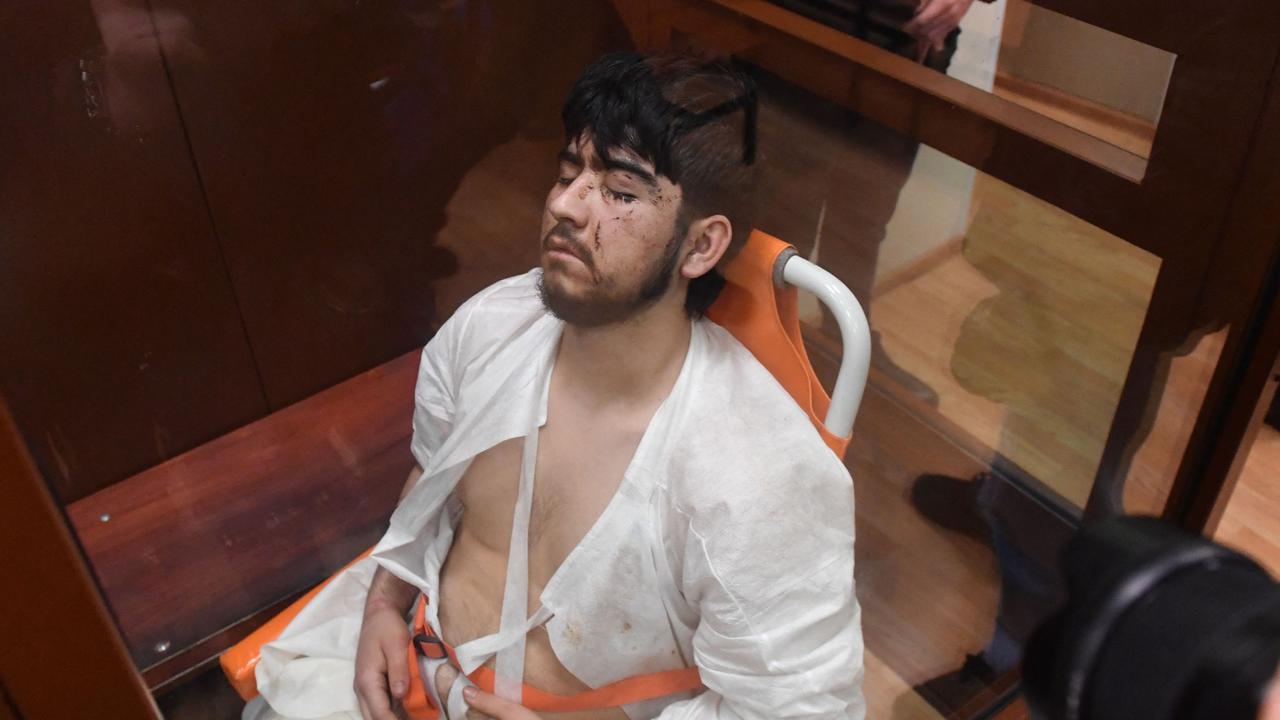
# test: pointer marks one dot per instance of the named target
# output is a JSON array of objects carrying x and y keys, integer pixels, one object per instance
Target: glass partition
[
  {"x": 1003, "y": 331},
  {"x": 229, "y": 229},
  {"x": 1099, "y": 82},
  {"x": 1093, "y": 80},
  {"x": 1248, "y": 518}
]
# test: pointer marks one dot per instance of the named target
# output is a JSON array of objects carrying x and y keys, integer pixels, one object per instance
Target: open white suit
[{"x": 728, "y": 545}]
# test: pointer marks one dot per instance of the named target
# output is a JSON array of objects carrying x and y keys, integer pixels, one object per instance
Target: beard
[{"x": 604, "y": 304}]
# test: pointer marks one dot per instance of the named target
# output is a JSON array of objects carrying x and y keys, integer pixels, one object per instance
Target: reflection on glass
[
  {"x": 368, "y": 167},
  {"x": 1248, "y": 520},
  {"x": 1003, "y": 331},
  {"x": 1180, "y": 383},
  {"x": 1104, "y": 84},
  {"x": 1004, "y": 315},
  {"x": 1091, "y": 79}
]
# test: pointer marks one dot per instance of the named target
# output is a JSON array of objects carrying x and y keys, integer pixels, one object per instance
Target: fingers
[
  {"x": 446, "y": 675},
  {"x": 397, "y": 669},
  {"x": 495, "y": 706},
  {"x": 936, "y": 20},
  {"x": 925, "y": 15},
  {"x": 937, "y": 27},
  {"x": 444, "y": 679},
  {"x": 938, "y": 40},
  {"x": 371, "y": 690}
]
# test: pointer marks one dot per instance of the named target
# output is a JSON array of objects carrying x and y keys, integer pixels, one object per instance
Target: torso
[{"x": 583, "y": 454}]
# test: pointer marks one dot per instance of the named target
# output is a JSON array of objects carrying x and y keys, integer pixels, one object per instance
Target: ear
[{"x": 706, "y": 243}]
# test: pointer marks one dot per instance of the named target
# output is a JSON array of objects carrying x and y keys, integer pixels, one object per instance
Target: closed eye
[
  {"x": 626, "y": 198},
  {"x": 568, "y": 172}
]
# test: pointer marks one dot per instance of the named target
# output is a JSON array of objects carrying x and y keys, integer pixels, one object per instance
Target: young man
[{"x": 608, "y": 486}]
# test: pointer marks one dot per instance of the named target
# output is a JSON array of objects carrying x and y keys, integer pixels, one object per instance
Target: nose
[{"x": 570, "y": 205}]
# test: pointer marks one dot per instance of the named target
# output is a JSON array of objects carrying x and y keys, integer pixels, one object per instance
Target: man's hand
[
  {"x": 935, "y": 20},
  {"x": 382, "y": 670},
  {"x": 495, "y": 707},
  {"x": 483, "y": 706},
  {"x": 382, "y": 653}
]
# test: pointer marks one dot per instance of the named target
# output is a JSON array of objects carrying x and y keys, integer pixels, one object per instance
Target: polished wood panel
[
  {"x": 1003, "y": 114},
  {"x": 185, "y": 665},
  {"x": 1242, "y": 291},
  {"x": 122, "y": 340},
  {"x": 206, "y": 697},
  {"x": 1016, "y": 710},
  {"x": 331, "y": 136},
  {"x": 198, "y": 544},
  {"x": 61, "y": 656},
  {"x": 1128, "y": 132}
]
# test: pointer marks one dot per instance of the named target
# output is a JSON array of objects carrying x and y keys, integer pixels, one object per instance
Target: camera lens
[{"x": 1158, "y": 624}]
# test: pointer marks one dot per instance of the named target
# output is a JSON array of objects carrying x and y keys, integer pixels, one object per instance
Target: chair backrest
[{"x": 764, "y": 317}]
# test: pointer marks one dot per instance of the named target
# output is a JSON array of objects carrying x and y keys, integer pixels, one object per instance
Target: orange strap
[{"x": 636, "y": 688}]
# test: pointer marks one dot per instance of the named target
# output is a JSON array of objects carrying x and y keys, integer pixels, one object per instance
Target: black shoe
[
  {"x": 952, "y": 691},
  {"x": 951, "y": 503}
]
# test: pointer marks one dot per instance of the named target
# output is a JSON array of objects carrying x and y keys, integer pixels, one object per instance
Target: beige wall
[
  {"x": 1084, "y": 60},
  {"x": 933, "y": 208}
]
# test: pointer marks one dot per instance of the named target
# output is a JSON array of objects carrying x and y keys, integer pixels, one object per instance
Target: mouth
[
  {"x": 562, "y": 254},
  {"x": 562, "y": 251}
]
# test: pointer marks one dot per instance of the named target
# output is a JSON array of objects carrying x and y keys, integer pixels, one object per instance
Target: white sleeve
[
  {"x": 436, "y": 388},
  {"x": 771, "y": 574}
]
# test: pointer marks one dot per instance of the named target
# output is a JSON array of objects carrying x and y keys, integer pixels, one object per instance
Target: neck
[{"x": 630, "y": 361}]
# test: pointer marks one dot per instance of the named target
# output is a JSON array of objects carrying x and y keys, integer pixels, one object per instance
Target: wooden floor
[
  {"x": 1251, "y": 522},
  {"x": 1025, "y": 333}
]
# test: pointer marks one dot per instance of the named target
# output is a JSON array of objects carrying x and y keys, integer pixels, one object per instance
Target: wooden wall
[{"x": 211, "y": 211}]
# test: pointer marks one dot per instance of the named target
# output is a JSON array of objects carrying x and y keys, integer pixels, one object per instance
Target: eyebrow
[
  {"x": 616, "y": 163},
  {"x": 613, "y": 163},
  {"x": 571, "y": 157}
]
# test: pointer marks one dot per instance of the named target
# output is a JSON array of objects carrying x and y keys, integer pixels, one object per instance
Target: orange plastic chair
[{"x": 759, "y": 307}]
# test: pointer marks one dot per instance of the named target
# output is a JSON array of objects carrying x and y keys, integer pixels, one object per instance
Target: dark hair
[{"x": 680, "y": 113}]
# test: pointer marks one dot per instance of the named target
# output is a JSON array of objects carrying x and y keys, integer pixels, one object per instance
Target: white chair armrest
[{"x": 855, "y": 335}]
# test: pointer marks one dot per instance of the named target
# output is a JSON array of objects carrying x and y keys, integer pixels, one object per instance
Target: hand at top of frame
[{"x": 935, "y": 20}]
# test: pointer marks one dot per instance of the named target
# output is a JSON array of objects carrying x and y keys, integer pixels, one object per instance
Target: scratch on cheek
[{"x": 597, "y": 238}]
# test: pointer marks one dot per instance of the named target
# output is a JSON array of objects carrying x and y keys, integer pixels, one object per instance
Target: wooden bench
[{"x": 195, "y": 553}]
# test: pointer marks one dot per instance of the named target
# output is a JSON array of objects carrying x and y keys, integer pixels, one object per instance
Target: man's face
[{"x": 610, "y": 242}]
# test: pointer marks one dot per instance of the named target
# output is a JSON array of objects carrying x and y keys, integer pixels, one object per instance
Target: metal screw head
[
  {"x": 162, "y": 646},
  {"x": 105, "y": 517}
]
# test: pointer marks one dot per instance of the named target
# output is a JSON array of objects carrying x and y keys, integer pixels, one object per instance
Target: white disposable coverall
[{"x": 728, "y": 545}]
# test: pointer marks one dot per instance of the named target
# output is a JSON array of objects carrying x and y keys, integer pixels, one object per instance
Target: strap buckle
[{"x": 430, "y": 647}]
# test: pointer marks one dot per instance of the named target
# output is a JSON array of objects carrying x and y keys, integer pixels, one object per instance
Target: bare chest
[{"x": 579, "y": 467}]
